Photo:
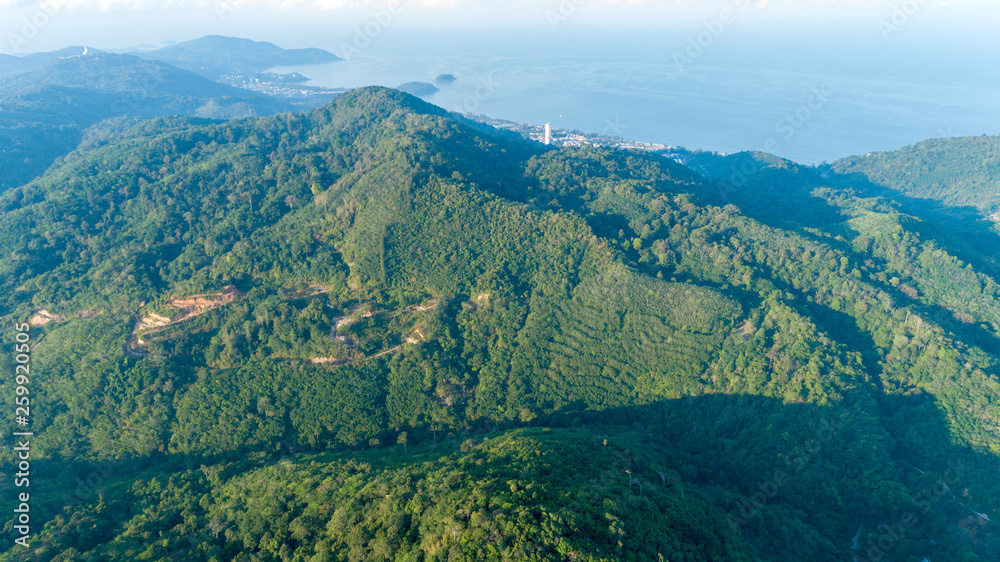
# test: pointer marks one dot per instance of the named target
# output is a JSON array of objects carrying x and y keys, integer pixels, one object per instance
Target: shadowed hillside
[{"x": 618, "y": 365}]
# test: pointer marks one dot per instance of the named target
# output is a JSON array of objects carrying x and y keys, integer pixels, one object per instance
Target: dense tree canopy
[{"x": 444, "y": 343}]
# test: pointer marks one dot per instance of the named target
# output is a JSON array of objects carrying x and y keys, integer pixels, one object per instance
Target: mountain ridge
[{"x": 214, "y": 55}]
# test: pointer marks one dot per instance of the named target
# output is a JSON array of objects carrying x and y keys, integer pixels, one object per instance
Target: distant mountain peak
[{"x": 215, "y": 55}]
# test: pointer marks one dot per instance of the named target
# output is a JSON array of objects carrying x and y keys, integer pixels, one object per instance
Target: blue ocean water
[{"x": 807, "y": 96}]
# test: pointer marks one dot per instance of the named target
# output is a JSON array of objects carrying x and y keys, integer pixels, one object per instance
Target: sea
[{"x": 808, "y": 94}]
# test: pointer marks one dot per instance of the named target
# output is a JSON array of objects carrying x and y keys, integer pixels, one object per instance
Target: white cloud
[
  {"x": 452, "y": 4},
  {"x": 649, "y": 11}
]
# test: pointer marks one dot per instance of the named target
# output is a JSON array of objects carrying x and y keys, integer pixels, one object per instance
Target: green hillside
[
  {"x": 956, "y": 171},
  {"x": 378, "y": 332}
]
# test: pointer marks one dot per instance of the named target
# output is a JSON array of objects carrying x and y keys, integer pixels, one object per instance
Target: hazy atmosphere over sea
[
  {"x": 803, "y": 83},
  {"x": 809, "y": 95}
]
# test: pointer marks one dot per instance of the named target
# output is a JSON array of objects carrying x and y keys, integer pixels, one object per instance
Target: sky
[{"x": 120, "y": 24}]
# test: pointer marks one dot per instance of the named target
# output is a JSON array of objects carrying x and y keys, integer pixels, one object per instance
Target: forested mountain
[
  {"x": 113, "y": 72},
  {"x": 376, "y": 331},
  {"x": 956, "y": 171},
  {"x": 46, "y": 111},
  {"x": 215, "y": 55},
  {"x": 13, "y": 64}
]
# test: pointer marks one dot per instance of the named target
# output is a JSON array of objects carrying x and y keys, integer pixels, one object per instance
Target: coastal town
[
  {"x": 563, "y": 137},
  {"x": 281, "y": 85}
]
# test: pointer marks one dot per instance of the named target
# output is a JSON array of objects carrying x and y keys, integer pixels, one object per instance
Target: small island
[
  {"x": 445, "y": 78},
  {"x": 419, "y": 89}
]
